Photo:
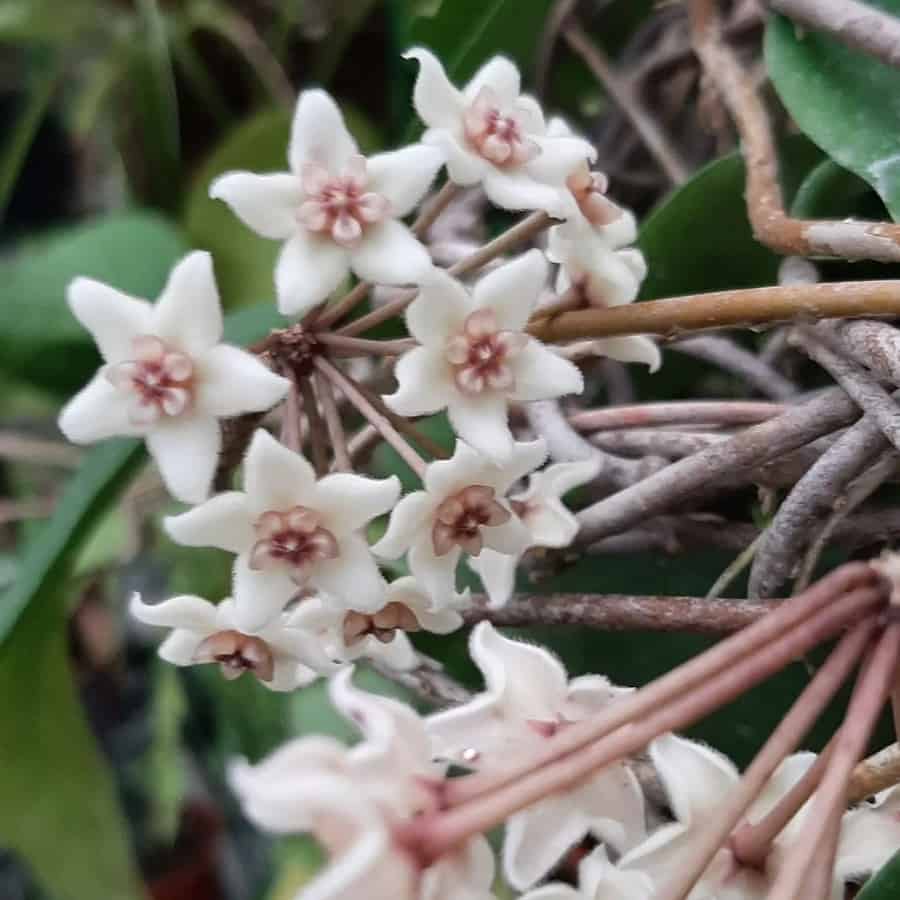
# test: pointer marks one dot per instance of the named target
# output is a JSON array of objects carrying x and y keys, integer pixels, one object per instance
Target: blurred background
[{"x": 116, "y": 115}]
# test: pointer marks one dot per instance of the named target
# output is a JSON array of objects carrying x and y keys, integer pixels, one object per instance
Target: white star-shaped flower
[
  {"x": 598, "y": 879},
  {"x": 475, "y": 357},
  {"x": 283, "y": 656},
  {"x": 462, "y": 509},
  {"x": 381, "y": 634},
  {"x": 352, "y": 801},
  {"x": 291, "y": 531},
  {"x": 550, "y": 524},
  {"x": 336, "y": 210},
  {"x": 527, "y": 699},
  {"x": 166, "y": 377},
  {"x": 604, "y": 276},
  {"x": 492, "y": 134}
]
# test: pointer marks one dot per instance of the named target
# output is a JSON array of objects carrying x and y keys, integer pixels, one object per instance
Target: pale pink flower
[
  {"x": 336, "y": 210},
  {"x": 167, "y": 378}
]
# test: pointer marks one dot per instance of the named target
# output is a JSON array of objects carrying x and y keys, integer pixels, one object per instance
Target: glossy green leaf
[
  {"x": 885, "y": 883},
  {"x": 842, "y": 99},
  {"x": 40, "y": 339},
  {"x": 43, "y": 21}
]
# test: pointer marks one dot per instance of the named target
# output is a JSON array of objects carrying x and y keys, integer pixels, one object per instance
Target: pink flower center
[
  {"x": 547, "y": 728},
  {"x": 460, "y": 518},
  {"x": 159, "y": 380},
  {"x": 589, "y": 190},
  {"x": 480, "y": 354},
  {"x": 293, "y": 540},
  {"x": 495, "y": 134},
  {"x": 237, "y": 653},
  {"x": 382, "y": 625},
  {"x": 339, "y": 206}
]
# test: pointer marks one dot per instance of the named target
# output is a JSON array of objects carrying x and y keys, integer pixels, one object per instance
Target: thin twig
[
  {"x": 656, "y": 441},
  {"x": 341, "y": 345},
  {"x": 677, "y": 412},
  {"x": 875, "y": 774},
  {"x": 22, "y": 448},
  {"x": 740, "y": 562},
  {"x": 316, "y": 431},
  {"x": 325, "y": 390},
  {"x": 765, "y": 203},
  {"x": 875, "y": 345}
]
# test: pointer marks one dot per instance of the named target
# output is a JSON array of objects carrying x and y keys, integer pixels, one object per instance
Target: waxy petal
[
  {"x": 259, "y": 594},
  {"x": 440, "y": 310},
  {"x": 266, "y": 203},
  {"x": 437, "y": 102},
  {"x": 410, "y": 516},
  {"x": 224, "y": 521},
  {"x": 309, "y": 268},
  {"x": 404, "y": 176},
  {"x": 501, "y": 76},
  {"x": 424, "y": 383},
  {"x": 511, "y": 291},
  {"x": 436, "y": 574},
  {"x": 632, "y": 348},
  {"x": 276, "y": 478},
  {"x": 349, "y": 502},
  {"x": 186, "y": 612},
  {"x": 497, "y": 572},
  {"x": 542, "y": 374},
  {"x": 516, "y": 190},
  {"x": 481, "y": 421},
  {"x": 186, "y": 450},
  {"x": 318, "y": 134},
  {"x": 464, "y": 167},
  {"x": 351, "y": 579},
  {"x": 389, "y": 254},
  {"x": 98, "y": 411},
  {"x": 231, "y": 382}
]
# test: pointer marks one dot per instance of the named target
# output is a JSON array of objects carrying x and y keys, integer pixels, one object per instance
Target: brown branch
[
  {"x": 858, "y": 25},
  {"x": 336, "y": 435},
  {"x": 677, "y": 412},
  {"x": 875, "y": 345},
  {"x": 725, "y": 309},
  {"x": 765, "y": 204},
  {"x": 316, "y": 430},
  {"x": 875, "y": 774}
]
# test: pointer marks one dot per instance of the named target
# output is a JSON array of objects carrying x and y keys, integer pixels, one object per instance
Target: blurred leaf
[
  {"x": 842, "y": 98},
  {"x": 830, "y": 191},
  {"x": 43, "y": 21},
  {"x": 348, "y": 19},
  {"x": 40, "y": 339},
  {"x": 297, "y": 859},
  {"x": 885, "y": 883},
  {"x": 245, "y": 261},
  {"x": 106, "y": 544}
]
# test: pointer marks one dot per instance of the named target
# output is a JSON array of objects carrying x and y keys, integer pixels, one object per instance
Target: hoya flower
[
  {"x": 281, "y": 655},
  {"x": 336, "y": 210},
  {"x": 167, "y": 378},
  {"x": 598, "y": 879},
  {"x": 347, "y": 634},
  {"x": 527, "y": 699},
  {"x": 540, "y": 508},
  {"x": 462, "y": 509},
  {"x": 357, "y": 802},
  {"x": 475, "y": 357},
  {"x": 603, "y": 276},
  {"x": 292, "y": 531},
  {"x": 492, "y": 134}
]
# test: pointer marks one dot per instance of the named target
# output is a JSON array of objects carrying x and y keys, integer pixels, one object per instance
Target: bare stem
[
  {"x": 354, "y": 346},
  {"x": 291, "y": 432},
  {"x": 318, "y": 448},
  {"x": 677, "y": 412},
  {"x": 875, "y": 774},
  {"x": 336, "y": 433}
]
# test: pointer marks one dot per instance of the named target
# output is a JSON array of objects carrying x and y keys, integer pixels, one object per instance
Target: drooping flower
[
  {"x": 167, "y": 378},
  {"x": 336, "y": 210},
  {"x": 282, "y": 655},
  {"x": 355, "y": 803},
  {"x": 549, "y": 522},
  {"x": 291, "y": 531},
  {"x": 492, "y": 134},
  {"x": 347, "y": 634},
  {"x": 527, "y": 699},
  {"x": 598, "y": 879},
  {"x": 462, "y": 509},
  {"x": 475, "y": 357},
  {"x": 604, "y": 276}
]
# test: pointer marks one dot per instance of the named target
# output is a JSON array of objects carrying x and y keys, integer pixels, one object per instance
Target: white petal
[
  {"x": 560, "y": 478},
  {"x": 788, "y": 773},
  {"x": 436, "y": 574},
  {"x": 188, "y": 314},
  {"x": 424, "y": 383},
  {"x": 404, "y": 176},
  {"x": 526, "y": 457},
  {"x": 464, "y": 167},
  {"x": 223, "y": 521},
  {"x": 590, "y": 694},
  {"x": 481, "y": 421},
  {"x": 275, "y": 477},
  {"x": 696, "y": 776},
  {"x": 542, "y": 374},
  {"x": 538, "y": 837},
  {"x": 870, "y": 836},
  {"x": 511, "y": 537},
  {"x": 621, "y": 232},
  {"x": 180, "y": 647},
  {"x": 114, "y": 319},
  {"x": 551, "y": 524},
  {"x": 185, "y": 612},
  {"x": 497, "y": 572},
  {"x": 465, "y": 467},
  {"x": 288, "y": 675},
  {"x": 231, "y": 382},
  {"x": 266, "y": 203},
  {"x": 349, "y": 502},
  {"x": 501, "y": 76},
  {"x": 186, "y": 451},
  {"x": 318, "y": 133},
  {"x": 259, "y": 594},
  {"x": 519, "y": 191},
  {"x": 559, "y": 157},
  {"x": 554, "y": 892},
  {"x": 474, "y": 726},
  {"x": 409, "y": 517},
  {"x": 632, "y": 348},
  {"x": 512, "y": 290},
  {"x": 614, "y": 804},
  {"x": 437, "y": 102},
  {"x": 352, "y": 578},
  {"x": 389, "y": 253},
  {"x": 309, "y": 268},
  {"x": 598, "y": 877},
  {"x": 440, "y": 310},
  {"x": 98, "y": 411},
  {"x": 399, "y": 653}
]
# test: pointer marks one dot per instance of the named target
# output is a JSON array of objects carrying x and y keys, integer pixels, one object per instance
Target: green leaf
[
  {"x": 43, "y": 21},
  {"x": 832, "y": 192},
  {"x": 842, "y": 99},
  {"x": 244, "y": 260},
  {"x": 885, "y": 883},
  {"x": 40, "y": 339}
]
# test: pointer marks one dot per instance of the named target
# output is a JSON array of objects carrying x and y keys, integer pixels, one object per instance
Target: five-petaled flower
[
  {"x": 492, "y": 134},
  {"x": 336, "y": 210},
  {"x": 462, "y": 509},
  {"x": 283, "y": 655},
  {"x": 474, "y": 356},
  {"x": 291, "y": 531},
  {"x": 528, "y": 698},
  {"x": 166, "y": 378}
]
